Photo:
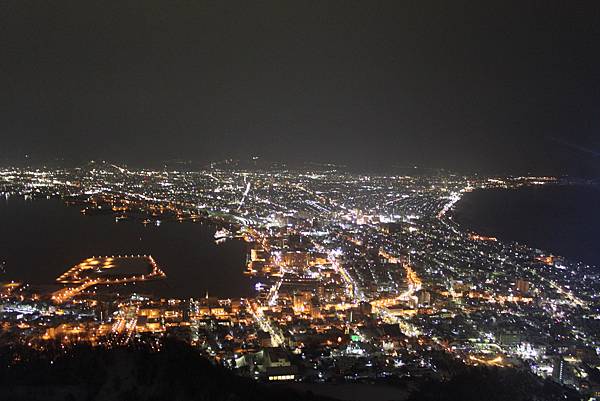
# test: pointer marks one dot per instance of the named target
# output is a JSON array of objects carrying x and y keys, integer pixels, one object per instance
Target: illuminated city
[
  {"x": 299, "y": 200},
  {"x": 357, "y": 276}
]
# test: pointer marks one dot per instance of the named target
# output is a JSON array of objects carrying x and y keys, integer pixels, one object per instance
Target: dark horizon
[
  {"x": 254, "y": 163},
  {"x": 466, "y": 87}
]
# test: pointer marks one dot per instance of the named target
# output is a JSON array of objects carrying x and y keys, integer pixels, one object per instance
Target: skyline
[
  {"x": 335, "y": 277},
  {"x": 494, "y": 89},
  {"x": 308, "y": 200}
]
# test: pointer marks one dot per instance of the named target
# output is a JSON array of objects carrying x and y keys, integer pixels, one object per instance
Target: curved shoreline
[
  {"x": 63, "y": 237},
  {"x": 553, "y": 218}
]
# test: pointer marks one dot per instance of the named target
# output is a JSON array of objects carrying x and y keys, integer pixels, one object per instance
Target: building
[
  {"x": 559, "y": 370},
  {"x": 424, "y": 298},
  {"x": 522, "y": 286},
  {"x": 270, "y": 364}
]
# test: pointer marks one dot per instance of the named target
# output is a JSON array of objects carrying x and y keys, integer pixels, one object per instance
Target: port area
[{"x": 106, "y": 270}]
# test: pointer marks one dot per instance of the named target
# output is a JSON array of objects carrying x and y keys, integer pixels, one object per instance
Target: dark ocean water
[
  {"x": 564, "y": 220},
  {"x": 40, "y": 239}
]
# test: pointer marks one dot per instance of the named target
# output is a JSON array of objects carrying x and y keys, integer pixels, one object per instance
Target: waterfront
[
  {"x": 41, "y": 239},
  {"x": 561, "y": 219},
  {"x": 358, "y": 273}
]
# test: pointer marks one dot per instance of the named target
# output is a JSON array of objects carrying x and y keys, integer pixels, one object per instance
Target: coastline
[
  {"x": 556, "y": 218},
  {"x": 187, "y": 249}
]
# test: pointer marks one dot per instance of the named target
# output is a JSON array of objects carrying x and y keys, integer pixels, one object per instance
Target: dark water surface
[
  {"x": 564, "y": 220},
  {"x": 40, "y": 239}
]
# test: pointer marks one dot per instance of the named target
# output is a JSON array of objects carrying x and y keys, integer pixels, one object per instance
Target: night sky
[{"x": 468, "y": 86}]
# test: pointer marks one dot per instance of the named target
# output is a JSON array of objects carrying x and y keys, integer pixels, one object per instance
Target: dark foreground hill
[
  {"x": 180, "y": 373},
  {"x": 176, "y": 373},
  {"x": 493, "y": 384}
]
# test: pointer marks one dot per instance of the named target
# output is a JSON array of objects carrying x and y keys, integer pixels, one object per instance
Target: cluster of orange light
[
  {"x": 72, "y": 276},
  {"x": 477, "y": 237},
  {"x": 412, "y": 276},
  {"x": 497, "y": 361},
  {"x": 549, "y": 260},
  {"x": 386, "y": 302}
]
